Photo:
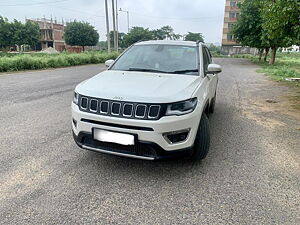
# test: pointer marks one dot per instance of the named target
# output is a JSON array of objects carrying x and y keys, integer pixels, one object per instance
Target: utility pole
[
  {"x": 114, "y": 22},
  {"x": 117, "y": 25},
  {"x": 107, "y": 27}
]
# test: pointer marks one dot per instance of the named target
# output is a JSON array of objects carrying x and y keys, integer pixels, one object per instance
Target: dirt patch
[{"x": 260, "y": 111}]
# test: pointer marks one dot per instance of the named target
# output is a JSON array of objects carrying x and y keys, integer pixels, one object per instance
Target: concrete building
[
  {"x": 52, "y": 34},
  {"x": 229, "y": 45}
]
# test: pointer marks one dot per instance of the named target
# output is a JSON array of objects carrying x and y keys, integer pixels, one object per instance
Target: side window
[{"x": 205, "y": 60}]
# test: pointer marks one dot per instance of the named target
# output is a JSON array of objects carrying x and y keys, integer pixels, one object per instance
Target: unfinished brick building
[{"x": 52, "y": 34}]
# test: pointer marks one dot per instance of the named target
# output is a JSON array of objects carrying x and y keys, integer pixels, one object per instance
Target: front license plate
[{"x": 113, "y": 137}]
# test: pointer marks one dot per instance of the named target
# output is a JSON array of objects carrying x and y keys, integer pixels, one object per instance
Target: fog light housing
[{"x": 176, "y": 136}]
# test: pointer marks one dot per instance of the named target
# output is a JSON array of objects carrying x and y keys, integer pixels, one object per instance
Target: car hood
[{"x": 139, "y": 86}]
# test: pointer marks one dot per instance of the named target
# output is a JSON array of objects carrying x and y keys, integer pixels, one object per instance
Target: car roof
[{"x": 167, "y": 42}]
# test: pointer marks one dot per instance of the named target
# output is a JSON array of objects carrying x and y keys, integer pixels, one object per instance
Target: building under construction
[{"x": 52, "y": 34}]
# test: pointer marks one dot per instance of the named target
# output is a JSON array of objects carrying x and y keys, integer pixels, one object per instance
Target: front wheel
[{"x": 202, "y": 140}]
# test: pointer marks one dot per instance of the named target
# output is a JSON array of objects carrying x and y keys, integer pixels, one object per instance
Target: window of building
[
  {"x": 230, "y": 26},
  {"x": 230, "y": 37},
  {"x": 233, "y": 3},
  {"x": 233, "y": 15}
]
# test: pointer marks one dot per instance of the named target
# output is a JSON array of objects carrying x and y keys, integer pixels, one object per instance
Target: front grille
[{"x": 133, "y": 110}]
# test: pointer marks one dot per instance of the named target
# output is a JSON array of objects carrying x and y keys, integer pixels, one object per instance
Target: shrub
[{"x": 16, "y": 62}]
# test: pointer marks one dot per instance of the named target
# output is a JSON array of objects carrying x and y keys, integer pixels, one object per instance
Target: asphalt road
[{"x": 251, "y": 175}]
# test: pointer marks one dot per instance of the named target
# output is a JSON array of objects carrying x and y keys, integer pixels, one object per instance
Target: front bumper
[
  {"x": 151, "y": 143},
  {"x": 142, "y": 150}
]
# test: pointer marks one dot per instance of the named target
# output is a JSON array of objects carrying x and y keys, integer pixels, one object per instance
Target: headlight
[
  {"x": 75, "y": 98},
  {"x": 181, "y": 108}
]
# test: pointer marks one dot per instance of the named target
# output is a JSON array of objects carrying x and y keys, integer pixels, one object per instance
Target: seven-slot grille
[{"x": 131, "y": 110}]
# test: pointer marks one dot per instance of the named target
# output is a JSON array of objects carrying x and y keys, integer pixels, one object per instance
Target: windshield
[{"x": 159, "y": 58}]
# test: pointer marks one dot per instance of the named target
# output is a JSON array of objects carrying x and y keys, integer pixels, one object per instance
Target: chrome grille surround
[
  {"x": 153, "y": 117},
  {"x": 101, "y": 111},
  {"x": 112, "y": 105},
  {"x": 87, "y": 102},
  {"x": 127, "y": 104},
  {"x": 134, "y": 106},
  {"x": 90, "y": 107},
  {"x": 136, "y": 109}
]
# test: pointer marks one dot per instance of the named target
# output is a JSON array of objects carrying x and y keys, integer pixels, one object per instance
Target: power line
[{"x": 34, "y": 3}]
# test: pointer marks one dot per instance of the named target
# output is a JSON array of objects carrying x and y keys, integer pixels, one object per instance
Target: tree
[
  {"x": 165, "y": 32},
  {"x": 121, "y": 37},
  {"x": 6, "y": 33},
  {"x": 81, "y": 33},
  {"x": 17, "y": 33},
  {"x": 215, "y": 49},
  {"x": 248, "y": 30},
  {"x": 31, "y": 33},
  {"x": 194, "y": 37},
  {"x": 281, "y": 24},
  {"x": 137, "y": 34}
]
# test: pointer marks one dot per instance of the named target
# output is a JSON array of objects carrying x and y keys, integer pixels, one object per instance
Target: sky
[{"x": 200, "y": 16}]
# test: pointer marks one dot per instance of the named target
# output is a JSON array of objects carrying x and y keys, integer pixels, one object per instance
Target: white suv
[{"x": 152, "y": 102}]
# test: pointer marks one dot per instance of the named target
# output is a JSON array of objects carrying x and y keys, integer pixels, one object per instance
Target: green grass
[
  {"x": 286, "y": 66},
  {"x": 35, "y": 61}
]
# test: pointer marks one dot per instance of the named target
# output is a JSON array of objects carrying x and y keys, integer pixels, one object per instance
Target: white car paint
[{"x": 149, "y": 87}]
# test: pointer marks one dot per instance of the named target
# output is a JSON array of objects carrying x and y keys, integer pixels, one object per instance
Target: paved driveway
[{"x": 251, "y": 175}]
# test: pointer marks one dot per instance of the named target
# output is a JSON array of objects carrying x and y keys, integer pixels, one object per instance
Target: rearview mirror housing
[
  {"x": 214, "y": 68},
  {"x": 109, "y": 62}
]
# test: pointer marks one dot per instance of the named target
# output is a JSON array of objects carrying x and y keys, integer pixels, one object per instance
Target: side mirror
[
  {"x": 109, "y": 62},
  {"x": 214, "y": 68}
]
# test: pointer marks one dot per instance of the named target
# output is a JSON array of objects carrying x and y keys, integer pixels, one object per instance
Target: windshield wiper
[
  {"x": 146, "y": 70},
  {"x": 185, "y": 71}
]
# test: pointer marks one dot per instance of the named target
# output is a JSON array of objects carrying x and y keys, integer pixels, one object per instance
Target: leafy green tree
[
  {"x": 248, "y": 30},
  {"x": 194, "y": 37},
  {"x": 121, "y": 37},
  {"x": 165, "y": 32},
  {"x": 31, "y": 33},
  {"x": 81, "y": 34},
  {"x": 281, "y": 24},
  {"x": 137, "y": 34},
  {"x": 17, "y": 33},
  {"x": 215, "y": 49},
  {"x": 6, "y": 33}
]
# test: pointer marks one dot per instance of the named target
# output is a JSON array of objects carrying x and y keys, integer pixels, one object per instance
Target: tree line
[
  {"x": 17, "y": 33},
  {"x": 268, "y": 25},
  {"x": 144, "y": 34},
  {"x": 83, "y": 34}
]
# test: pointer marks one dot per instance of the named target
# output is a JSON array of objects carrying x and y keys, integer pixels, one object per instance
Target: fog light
[
  {"x": 75, "y": 123},
  {"x": 176, "y": 136}
]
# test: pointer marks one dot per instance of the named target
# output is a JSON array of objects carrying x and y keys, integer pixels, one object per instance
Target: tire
[
  {"x": 202, "y": 140},
  {"x": 212, "y": 104}
]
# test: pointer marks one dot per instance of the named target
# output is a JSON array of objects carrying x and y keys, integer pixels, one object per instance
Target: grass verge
[
  {"x": 287, "y": 65},
  {"x": 36, "y": 61}
]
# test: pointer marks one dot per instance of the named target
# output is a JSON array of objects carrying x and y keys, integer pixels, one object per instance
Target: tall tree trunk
[
  {"x": 83, "y": 48},
  {"x": 266, "y": 54},
  {"x": 273, "y": 55},
  {"x": 260, "y": 53}
]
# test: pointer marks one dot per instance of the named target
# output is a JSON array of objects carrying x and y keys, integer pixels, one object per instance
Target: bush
[{"x": 16, "y": 62}]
